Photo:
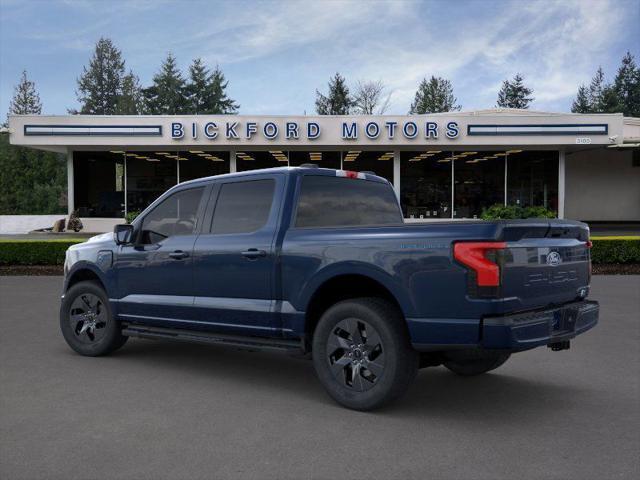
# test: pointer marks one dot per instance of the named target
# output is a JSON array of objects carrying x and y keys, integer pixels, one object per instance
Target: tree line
[
  {"x": 435, "y": 95},
  {"x": 106, "y": 88}
]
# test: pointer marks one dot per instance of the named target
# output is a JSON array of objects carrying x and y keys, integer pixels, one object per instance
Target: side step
[{"x": 237, "y": 341}]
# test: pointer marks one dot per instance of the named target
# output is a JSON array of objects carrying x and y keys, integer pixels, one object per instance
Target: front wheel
[
  {"x": 87, "y": 323},
  {"x": 362, "y": 354}
]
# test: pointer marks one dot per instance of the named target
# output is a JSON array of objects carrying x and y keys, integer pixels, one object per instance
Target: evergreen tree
[
  {"x": 338, "y": 101},
  {"x": 581, "y": 104},
  {"x": 31, "y": 181},
  {"x": 514, "y": 94},
  {"x": 218, "y": 100},
  {"x": 206, "y": 92},
  {"x": 167, "y": 95},
  {"x": 25, "y": 99},
  {"x": 99, "y": 86},
  {"x": 627, "y": 86},
  {"x": 196, "y": 89},
  {"x": 596, "y": 91},
  {"x": 130, "y": 101},
  {"x": 433, "y": 96}
]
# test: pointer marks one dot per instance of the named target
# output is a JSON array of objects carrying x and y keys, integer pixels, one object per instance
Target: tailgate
[{"x": 546, "y": 262}]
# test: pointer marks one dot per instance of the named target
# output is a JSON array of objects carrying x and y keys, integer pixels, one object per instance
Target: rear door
[{"x": 235, "y": 258}]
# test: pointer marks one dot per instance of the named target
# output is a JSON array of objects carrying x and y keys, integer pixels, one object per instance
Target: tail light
[{"x": 473, "y": 255}]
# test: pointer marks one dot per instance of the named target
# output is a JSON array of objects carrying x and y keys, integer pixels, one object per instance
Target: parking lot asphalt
[{"x": 157, "y": 410}]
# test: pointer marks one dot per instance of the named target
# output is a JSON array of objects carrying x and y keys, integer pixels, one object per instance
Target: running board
[{"x": 237, "y": 341}]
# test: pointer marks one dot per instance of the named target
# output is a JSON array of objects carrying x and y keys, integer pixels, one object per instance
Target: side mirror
[{"x": 123, "y": 234}]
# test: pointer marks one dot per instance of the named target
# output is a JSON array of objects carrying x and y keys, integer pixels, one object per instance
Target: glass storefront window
[
  {"x": 246, "y": 160},
  {"x": 99, "y": 184},
  {"x": 478, "y": 182},
  {"x": 320, "y": 158},
  {"x": 149, "y": 175},
  {"x": 201, "y": 163},
  {"x": 425, "y": 184},
  {"x": 532, "y": 178},
  {"x": 381, "y": 163}
]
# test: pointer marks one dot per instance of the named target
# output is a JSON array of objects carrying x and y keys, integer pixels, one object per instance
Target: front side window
[
  {"x": 176, "y": 215},
  {"x": 243, "y": 207},
  {"x": 339, "y": 202}
]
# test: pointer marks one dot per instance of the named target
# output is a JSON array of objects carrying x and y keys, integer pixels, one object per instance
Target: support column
[
  {"x": 126, "y": 206},
  {"x": 561, "y": 177},
  {"x": 506, "y": 167},
  {"x": 396, "y": 172},
  {"x": 453, "y": 185},
  {"x": 70, "y": 183},
  {"x": 232, "y": 161}
]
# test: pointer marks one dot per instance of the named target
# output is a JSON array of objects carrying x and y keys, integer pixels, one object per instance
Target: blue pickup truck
[{"x": 319, "y": 262}]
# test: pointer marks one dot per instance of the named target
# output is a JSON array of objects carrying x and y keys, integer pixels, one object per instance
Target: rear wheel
[
  {"x": 474, "y": 362},
  {"x": 362, "y": 355},
  {"x": 87, "y": 323}
]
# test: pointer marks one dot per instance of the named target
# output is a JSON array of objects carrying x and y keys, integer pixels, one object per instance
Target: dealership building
[{"x": 442, "y": 166}]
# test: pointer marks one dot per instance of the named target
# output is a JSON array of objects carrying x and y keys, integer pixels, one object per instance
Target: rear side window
[
  {"x": 175, "y": 215},
  {"x": 339, "y": 202},
  {"x": 243, "y": 207}
]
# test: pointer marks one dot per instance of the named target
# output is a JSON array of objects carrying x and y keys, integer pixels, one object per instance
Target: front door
[
  {"x": 155, "y": 275},
  {"x": 235, "y": 260}
]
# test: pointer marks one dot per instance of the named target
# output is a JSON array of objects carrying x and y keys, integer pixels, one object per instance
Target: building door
[
  {"x": 235, "y": 262},
  {"x": 155, "y": 275}
]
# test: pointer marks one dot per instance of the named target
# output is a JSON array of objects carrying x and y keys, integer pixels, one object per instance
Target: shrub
[
  {"x": 615, "y": 250},
  {"x": 504, "y": 212},
  {"x": 131, "y": 216},
  {"x": 35, "y": 252}
]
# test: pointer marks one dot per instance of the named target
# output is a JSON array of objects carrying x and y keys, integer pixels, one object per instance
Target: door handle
[
  {"x": 254, "y": 253},
  {"x": 178, "y": 255}
]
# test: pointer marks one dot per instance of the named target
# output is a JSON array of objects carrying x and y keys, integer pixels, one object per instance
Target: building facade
[{"x": 442, "y": 166}]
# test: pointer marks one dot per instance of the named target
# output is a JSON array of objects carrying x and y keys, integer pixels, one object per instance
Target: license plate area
[{"x": 564, "y": 320}]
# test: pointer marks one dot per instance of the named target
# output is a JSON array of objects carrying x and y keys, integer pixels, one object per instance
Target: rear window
[{"x": 339, "y": 202}]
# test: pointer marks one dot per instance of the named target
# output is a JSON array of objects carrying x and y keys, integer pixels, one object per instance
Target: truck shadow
[{"x": 505, "y": 395}]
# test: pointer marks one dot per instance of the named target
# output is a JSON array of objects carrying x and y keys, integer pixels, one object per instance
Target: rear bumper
[
  {"x": 515, "y": 332},
  {"x": 540, "y": 327}
]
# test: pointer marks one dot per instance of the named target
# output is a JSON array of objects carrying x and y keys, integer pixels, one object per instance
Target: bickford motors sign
[{"x": 294, "y": 130}]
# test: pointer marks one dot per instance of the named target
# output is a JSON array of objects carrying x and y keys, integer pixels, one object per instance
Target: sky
[{"x": 275, "y": 54}]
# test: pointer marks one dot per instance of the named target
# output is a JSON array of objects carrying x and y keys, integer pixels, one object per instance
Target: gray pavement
[{"x": 158, "y": 410}]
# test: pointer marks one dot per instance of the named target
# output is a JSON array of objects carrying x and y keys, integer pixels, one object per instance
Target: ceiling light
[
  {"x": 116, "y": 151},
  {"x": 162, "y": 153},
  {"x": 152, "y": 160},
  {"x": 434, "y": 151},
  {"x": 514, "y": 151},
  {"x": 196, "y": 151},
  {"x": 131, "y": 154},
  {"x": 141, "y": 157}
]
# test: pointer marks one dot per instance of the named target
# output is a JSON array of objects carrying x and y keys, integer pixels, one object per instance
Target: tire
[
  {"x": 362, "y": 354},
  {"x": 87, "y": 323},
  {"x": 474, "y": 362}
]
